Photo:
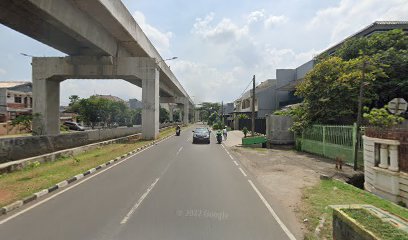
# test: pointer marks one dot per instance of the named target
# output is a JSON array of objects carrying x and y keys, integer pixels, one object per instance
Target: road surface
[{"x": 173, "y": 190}]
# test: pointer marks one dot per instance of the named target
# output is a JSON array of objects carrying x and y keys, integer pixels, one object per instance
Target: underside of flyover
[
  {"x": 49, "y": 72},
  {"x": 103, "y": 41}
]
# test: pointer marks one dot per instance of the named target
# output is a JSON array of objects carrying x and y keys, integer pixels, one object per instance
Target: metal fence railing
[{"x": 331, "y": 141}]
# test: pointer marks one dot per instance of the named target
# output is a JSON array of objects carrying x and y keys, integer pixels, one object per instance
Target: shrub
[
  {"x": 245, "y": 131},
  {"x": 382, "y": 118}
]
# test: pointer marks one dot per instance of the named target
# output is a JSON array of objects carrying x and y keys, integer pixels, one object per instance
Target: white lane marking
[
  {"x": 137, "y": 204},
  {"x": 236, "y": 164},
  {"x": 70, "y": 187},
  {"x": 281, "y": 224},
  {"x": 242, "y": 171},
  {"x": 179, "y": 151},
  {"x": 230, "y": 156}
]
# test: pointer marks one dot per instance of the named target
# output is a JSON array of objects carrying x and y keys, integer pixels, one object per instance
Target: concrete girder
[
  {"x": 48, "y": 72},
  {"x": 91, "y": 27}
]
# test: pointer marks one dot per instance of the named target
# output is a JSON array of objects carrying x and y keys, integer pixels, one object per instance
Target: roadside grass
[
  {"x": 316, "y": 201},
  {"x": 384, "y": 230},
  {"x": 35, "y": 177}
]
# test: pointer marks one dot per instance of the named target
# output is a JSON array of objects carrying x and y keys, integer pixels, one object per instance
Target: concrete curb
[{"x": 17, "y": 204}]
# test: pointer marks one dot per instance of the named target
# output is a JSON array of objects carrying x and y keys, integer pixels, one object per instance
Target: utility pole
[
  {"x": 359, "y": 110},
  {"x": 253, "y": 106},
  {"x": 222, "y": 112}
]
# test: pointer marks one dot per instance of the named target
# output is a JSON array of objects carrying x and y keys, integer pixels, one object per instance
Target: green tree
[
  {"x": 164, "y": 115},
  {"x": 331, "y": 89},
  {"x": 213, "y": 118},
  {"x": 208, "y": 108}
]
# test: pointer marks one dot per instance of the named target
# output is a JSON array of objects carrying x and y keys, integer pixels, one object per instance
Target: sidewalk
[{"x": 234, "y": 138}]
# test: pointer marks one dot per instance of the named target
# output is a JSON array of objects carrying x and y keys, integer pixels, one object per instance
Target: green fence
[{"x": 331, "y": 142}]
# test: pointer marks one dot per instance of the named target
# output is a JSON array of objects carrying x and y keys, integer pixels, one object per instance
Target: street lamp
[{"x": 168, "y": 59}]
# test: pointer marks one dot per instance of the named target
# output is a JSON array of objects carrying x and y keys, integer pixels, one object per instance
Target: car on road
[
  {"x": 74, "y": 126},
  {"x": 201, "y": 135}
]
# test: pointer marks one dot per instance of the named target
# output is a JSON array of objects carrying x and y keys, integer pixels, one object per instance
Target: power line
[{"x": 245, "y": 89}]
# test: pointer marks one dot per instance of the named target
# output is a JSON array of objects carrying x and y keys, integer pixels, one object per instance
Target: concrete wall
[
  {"x": 277, "y": 129},
  {"x": 266, "y": 100},
  {"x": 22, "y": 147}
]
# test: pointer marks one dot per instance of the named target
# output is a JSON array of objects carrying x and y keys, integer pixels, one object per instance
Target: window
[{"x": 17, "y": 99}]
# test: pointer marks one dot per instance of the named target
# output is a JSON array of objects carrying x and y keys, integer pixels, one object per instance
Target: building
[
  {"x": 15, "y": 99},
  {"x": 228, "y": 110},
  {"x": 265, "y": 99},
  {"x": 287, "y": 79}
]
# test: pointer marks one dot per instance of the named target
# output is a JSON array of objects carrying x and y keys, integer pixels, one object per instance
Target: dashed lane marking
[
  {"x": 242, "y": 171},
  {"x": 137, "y": 204}
]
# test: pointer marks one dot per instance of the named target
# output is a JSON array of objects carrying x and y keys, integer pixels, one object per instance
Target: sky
[{"x": 219, "y": 44}]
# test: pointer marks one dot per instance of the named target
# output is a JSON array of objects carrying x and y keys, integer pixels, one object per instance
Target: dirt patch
[
  {"x": 284, "y": 173},
  {"x": 5, "y": 195}
]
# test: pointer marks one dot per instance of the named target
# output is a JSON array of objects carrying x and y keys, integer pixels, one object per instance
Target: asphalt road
[{"x": 173, "y": 190}]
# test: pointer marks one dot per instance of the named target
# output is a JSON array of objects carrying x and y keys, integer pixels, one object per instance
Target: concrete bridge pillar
[
  {"x": 150, "y": 99},
  {"x": 171, "y": 108},
  {"x": 46, "y": 105},
  {"x": 186, "y": 111}
]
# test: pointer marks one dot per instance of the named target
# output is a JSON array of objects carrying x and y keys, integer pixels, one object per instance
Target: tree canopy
[{"x": 330, "y": 90}]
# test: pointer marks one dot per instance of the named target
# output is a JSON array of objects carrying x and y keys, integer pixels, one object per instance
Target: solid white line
[
  {"x": 137, "y": 204},
  {"x": 68, "y": 188},
  {"x": 179, "y": 151},
  {"x": 242, "y": 171},
  {"x": 281, "y": 224},
  {"x": 236, "y": 164}
]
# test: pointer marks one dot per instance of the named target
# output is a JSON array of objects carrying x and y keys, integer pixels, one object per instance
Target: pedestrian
[{"x": 224, "y": 132}]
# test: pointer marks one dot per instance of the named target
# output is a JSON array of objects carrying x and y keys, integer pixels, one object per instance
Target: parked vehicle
[
  {"x": 201, "y": 135},
  {"x": 74, "y": 126}
]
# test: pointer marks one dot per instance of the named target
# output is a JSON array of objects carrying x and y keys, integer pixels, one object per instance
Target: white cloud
[
  {"x": 349, "y": 16},
  {"x": 2, "y": 71},
  {"x": 208, "y": 83},
  {"x": 161, "y": 40},
  {"x": 256, "y": 16},
  {"x": 222, "y": 32},
  {"x": 273, "y": 21}
]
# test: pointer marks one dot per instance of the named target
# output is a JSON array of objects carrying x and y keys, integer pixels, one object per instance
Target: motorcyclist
[
  {"x": 178, "y": 130},
  {"x": 224, "y": 132},
  {"x": 219, "y": 136}
]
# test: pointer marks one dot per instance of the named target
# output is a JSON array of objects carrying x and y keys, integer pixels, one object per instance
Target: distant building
[
  {"x": 287, "y": 79},
  {"x": 228, "y": 110},
  {"x": 15, "y": 99},
  {"x": 109, "y": 97},
  {"x": 265, "y": 99},
  {"x": 135, "y": 104}
]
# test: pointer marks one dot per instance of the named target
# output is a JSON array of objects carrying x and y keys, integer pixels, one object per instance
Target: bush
[
  {"x": 245, "y": 131},
  {"x": 382, "y": 118},
  {"x": 63, "y": 128}
]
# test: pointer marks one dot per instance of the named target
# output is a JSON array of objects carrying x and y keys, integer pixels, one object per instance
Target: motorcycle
[
  {"x": 177, "y": 132},
  {"x": 219, "y": 137}
]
